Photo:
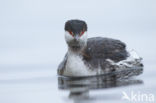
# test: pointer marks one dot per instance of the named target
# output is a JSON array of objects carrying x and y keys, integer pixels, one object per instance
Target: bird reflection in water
[{"x": 79, "y": 87}]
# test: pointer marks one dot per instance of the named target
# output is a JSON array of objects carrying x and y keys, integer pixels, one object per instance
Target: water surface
[{"x": 38, "y": 85}]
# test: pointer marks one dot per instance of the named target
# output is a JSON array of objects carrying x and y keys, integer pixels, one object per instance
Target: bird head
[{"x": 76, "y": 34}]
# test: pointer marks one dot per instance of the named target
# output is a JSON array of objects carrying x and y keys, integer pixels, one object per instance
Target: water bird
[{"x": 94, "y": 56}]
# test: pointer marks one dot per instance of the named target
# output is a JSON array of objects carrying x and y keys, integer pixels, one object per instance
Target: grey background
[
  {"x": 32, "y": 31},
  {"x": 32, "y": 40}
]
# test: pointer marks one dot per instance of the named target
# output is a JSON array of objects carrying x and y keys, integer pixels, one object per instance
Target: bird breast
[{"x": 75, "y": 66}]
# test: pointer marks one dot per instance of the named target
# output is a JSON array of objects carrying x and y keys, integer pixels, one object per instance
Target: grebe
[{"x": 93, "y": 56}]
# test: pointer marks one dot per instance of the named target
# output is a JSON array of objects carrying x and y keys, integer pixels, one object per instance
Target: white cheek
[
  {"x": 84, "y": 37},
  {"x": 68, "y": 37}
]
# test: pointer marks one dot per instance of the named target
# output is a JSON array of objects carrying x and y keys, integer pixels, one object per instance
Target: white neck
[{"x": 75, "y": 65}]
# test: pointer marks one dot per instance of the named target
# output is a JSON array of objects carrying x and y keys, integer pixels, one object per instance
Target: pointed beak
[{"x": 76, "y": 37}]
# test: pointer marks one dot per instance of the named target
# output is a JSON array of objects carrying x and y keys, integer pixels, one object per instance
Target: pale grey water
[
  {"x": 40, "y": 84},
  {"x": 32, "y": 45}
]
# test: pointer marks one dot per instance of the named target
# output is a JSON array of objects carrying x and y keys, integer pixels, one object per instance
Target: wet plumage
[
  {"x": 93, "y": 56},
  {"x": 99, "y": 49}
]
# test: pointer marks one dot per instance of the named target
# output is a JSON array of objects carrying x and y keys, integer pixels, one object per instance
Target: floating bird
[{"x": 93, "y": 56}]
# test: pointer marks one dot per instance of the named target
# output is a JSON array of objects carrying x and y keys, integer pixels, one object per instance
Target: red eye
[
  {"x": 71, "y": 33},
  {"x": 82, "y": 32}
]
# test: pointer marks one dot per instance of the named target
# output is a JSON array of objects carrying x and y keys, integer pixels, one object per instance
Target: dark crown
[{"x": 76, "y": 26}]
